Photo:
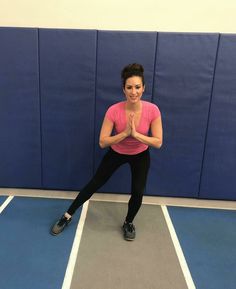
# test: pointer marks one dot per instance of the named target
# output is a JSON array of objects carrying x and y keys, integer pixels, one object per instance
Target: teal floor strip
[
  {"x": 208, "y": 238},
  {"x": 29, "y": 256}
]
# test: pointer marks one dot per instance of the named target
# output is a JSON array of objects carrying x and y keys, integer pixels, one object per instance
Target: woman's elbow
[
  {"x": 102, "y": 143},
  {"x": 158, "y": 144}
]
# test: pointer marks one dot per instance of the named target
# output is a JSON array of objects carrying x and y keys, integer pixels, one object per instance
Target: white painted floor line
[
  {"x": 109, "y": 200},
  {"x": 123, "y": 198},
  {"x": 75, "y": 248},
  {"x": 178, "y": 249},
  {"x": 176, "y": 203},
  {"x": 5, "y": 204},
  {"x": 202, "y": 207}
]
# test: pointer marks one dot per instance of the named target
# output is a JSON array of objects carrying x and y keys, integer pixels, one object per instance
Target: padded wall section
[
  {"x": 67, "y": 69},
  {"x": 20, "y": 150},
  {"x": 183, "y": 83},
  {"x": 218, "y": 175},
  {"x": 115, "y": 50}
]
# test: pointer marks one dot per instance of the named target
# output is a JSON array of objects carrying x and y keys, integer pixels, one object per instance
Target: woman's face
[{"x": 133, "y": 89}]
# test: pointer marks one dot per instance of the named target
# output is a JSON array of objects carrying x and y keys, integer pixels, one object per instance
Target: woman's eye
[{"x": 130, "y": 87}]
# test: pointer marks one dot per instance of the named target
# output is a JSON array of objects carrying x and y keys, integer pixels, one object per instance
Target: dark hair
[{"x": 130, "y": 70}]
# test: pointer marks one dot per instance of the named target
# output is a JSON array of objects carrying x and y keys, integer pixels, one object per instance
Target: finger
[{"x": 133, "y": 124}]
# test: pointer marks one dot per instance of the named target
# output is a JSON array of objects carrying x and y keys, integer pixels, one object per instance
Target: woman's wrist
[
  {"x": 125, "y": 133},
  {"x": 135, "y": 134}
]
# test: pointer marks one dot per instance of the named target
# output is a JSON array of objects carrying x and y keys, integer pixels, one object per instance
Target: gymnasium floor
[{"x": 180, "y": 243}]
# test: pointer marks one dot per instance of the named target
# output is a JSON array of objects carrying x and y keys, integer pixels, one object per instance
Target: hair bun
[
  {"x": 134, "y": 67},
  {"x": 130, "y": 70},
  {"x": 138, "y": 67}
]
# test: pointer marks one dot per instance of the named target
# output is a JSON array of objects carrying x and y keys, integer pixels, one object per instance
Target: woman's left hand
[{"x": 133, "y": 128}]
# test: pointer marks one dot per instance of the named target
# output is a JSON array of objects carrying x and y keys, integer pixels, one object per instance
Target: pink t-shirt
[{"x": 116, "y": 114}]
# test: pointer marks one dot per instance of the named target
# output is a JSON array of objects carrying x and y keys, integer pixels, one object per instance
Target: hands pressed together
[{"x": 130, "y": 127}]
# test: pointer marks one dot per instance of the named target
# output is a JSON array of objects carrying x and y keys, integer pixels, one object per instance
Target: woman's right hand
[{"x": 128, "y": 129}]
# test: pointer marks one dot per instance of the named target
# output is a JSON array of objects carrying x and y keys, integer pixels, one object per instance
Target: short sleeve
[
  {"x": 110, "y": 114},
  {"x": 155, "y": 112}
]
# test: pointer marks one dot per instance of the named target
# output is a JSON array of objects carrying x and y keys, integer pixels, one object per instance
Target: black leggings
[{"x": 112, "y": 160}]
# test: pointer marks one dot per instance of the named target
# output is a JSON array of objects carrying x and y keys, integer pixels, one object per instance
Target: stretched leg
[{"x": 109, "y": 164}]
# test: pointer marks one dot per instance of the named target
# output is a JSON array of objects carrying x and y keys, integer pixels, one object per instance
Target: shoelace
[
  {"x": 131, "y": 227},
  {"x": 62, "y": 221}
]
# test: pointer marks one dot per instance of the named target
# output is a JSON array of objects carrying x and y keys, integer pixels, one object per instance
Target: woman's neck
[{"x": 135, "y": 107}]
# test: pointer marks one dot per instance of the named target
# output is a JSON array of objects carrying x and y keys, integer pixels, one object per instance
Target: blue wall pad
[
  {"x": 115, "y": 50},
  {"x": 218, "y": 175},
  {"x": 207, "y": 238},
  {"x": 183, "y": 82},
  {"x": 56, "y": 85},
  {"x": 67, "y": 70},
  {"x": 29, "y": 256},
  {"x": 20, "y": 150}
]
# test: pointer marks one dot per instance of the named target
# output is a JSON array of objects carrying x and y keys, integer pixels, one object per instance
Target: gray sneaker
[
  {"x": 129, "y": 231},
  {"x": 60, "y": 225}
]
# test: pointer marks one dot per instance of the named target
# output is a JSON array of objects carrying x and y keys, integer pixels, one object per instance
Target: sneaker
[
  {"x": 60, "y": 225},
  {"x": 129, "y": 231}
]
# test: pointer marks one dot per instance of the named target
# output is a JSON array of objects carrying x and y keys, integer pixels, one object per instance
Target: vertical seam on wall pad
[
  {"x": 95, "y": 103},
  {"x": 208, "y": 118},
  {"x": 154, "y": 69},
  {"x": 40, "y": 111},
  {"x": 153, "y": 81}
]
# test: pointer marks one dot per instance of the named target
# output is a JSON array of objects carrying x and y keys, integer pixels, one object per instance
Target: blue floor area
[
  {"x": 208, "y": 241},
  {"x": 2, "y": 199},
  {"x": 29, "y": 256}
]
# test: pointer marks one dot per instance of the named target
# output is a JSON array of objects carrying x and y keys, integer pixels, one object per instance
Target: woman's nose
[{"x": 133, "y": 90}]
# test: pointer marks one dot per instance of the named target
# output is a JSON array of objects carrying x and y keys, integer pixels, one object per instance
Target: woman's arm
[
  {"x": 106, "y": 139},
  {"x": 155, "y": 140}
]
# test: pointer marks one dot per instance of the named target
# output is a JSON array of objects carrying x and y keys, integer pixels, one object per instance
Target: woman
[{"x": 131, "y": 120}]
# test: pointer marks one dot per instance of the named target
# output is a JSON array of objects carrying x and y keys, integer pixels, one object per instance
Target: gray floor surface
[{"x": 107, "y": 261}]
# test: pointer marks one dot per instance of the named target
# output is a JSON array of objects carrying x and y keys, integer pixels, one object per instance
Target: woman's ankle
[{"x": 68, "y": 216}]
